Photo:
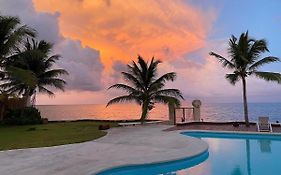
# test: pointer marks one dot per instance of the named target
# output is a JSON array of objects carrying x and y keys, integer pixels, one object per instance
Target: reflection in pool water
[
  {"x": 229, "y": 154},
  {"x": 239, "y": 154}
]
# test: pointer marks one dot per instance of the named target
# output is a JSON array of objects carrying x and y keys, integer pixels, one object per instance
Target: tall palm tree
[
  {"x": 12, "y": 36},
  {"x": 34, "y": 58},
  {"x": 145, "y": 88},
  {"x": 244, "y": 60}
]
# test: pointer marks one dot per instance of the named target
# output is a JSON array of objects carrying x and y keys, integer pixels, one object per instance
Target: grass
[{"x": 51, "y": 134}]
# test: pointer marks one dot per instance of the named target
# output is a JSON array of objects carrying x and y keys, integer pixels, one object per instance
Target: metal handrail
[{"x": 183, "y": 113}]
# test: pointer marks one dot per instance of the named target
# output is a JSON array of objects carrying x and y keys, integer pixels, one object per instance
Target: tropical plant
[
  {"x": 33, "y": 59},
  {"x": 12, "y": 33},
  {"x": 145, "y": 88},
  {"x": 25, "y": 116},
  {"x": 244, "y": 60}
]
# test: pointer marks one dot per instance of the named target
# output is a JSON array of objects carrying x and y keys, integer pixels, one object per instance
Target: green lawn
[{"x": 30, "y": 136}]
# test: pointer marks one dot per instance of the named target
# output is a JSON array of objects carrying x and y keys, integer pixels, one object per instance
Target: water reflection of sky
[
  {"x": 239, "y": 157},
  {"x": 227, "y": 156}
]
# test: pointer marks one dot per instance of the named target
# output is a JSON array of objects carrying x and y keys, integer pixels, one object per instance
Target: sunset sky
[{"x": 97, "y": 37}]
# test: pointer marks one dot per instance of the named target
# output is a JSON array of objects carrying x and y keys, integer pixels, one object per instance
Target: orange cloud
[{"x": 122, "y": 29}]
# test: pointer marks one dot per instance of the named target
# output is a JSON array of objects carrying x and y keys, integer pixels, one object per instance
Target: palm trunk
[
  {"x": 2, "y": 112},
  {"x": 245, "y": 102},
  {"x": 27, "y": 97},
  {"x": 144, "y": 112},
  {"x": 3, "y": 107},
  {"x": 28, "y": 102},
  {"x": 25, "y": 101}
]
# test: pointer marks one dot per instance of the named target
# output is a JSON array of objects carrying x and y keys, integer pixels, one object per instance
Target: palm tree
[
  {"x": 35, "y": 59},
  {"x": 145, "y": 88},
  {"x": 244, "y": 60},
  {"x": 12, "y": 33}
]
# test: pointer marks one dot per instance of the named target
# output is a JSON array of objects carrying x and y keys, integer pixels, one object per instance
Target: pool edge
[
  {"x": 198, "y": 153},
  {"x": 229, "y": 132},
  {"x": 152, "y": 163}
]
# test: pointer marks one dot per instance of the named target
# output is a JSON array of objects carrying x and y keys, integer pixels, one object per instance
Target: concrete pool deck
[{"x": 121, "y": 146}]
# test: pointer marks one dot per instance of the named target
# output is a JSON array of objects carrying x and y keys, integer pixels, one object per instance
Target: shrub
[{"x": 29, "y": 115}]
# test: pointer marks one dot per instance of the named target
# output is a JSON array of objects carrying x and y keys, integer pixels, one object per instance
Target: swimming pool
[{"x": 228, "y": 154}]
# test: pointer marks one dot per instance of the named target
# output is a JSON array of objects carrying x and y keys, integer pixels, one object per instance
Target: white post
[{"x": 196, "y": 110}]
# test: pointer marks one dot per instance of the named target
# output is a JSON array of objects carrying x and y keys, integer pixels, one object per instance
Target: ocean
[{"x": 219, "y": 112}]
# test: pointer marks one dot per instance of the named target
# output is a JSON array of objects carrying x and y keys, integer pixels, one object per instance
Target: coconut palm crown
[
  {"x": 34, "y": 58},
  {"x": 144, "y": 88},
  {"x": 12, "y": 33},
  {"x": 12, "y": 36},
  {"x": 245, "y": 60}
]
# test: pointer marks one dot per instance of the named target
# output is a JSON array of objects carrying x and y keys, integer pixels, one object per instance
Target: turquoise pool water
[{"x": 228, "y": 154}]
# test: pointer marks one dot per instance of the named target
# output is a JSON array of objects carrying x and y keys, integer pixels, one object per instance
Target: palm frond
[
  {"x": 263, "y": 61},
  {"x": 268, "y": 76},
  {"x": 143, "y": 65},
  {"x": 152, "y": 70},
  {"x": 53, "y": 73},
  {"x": 169, "y": 92},
  {"x": 124, "y": 87},
  {"x": 51, "y": 60},
  {"x": 132, "y": 79},
  {"x": 160, "y": 82},
  {"x": 224, "y": 61},
  {"x": 11, "y": 34},
  {"x": 232, "y": 78},
  {"x": 45, "y": 90},
  {"x": 55, "y": 82},
  {"x": 258, "y": 47},
  {"x": 121, "y": 99},
  {"x": 43, "y": 46},
  {"x": 166, "y": 99},
  {"x": 21, "y": 75}
]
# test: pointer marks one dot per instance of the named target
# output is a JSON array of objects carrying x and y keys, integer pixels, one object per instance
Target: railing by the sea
[
  {"x": 179, "y": 115},
  {"x": 183, "y": 115}
]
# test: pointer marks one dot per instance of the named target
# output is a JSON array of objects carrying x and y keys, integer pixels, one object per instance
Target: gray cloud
[
  {"x": 83, "y": 63},
  {"x": 117, "y": 68},
  {"x": 46, "y": 24}
]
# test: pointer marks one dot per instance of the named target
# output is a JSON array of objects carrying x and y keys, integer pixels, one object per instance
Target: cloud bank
[
  {"x": 97, "y": 38},
  {"x": 122, "y": 29},
  {"x": 82, "y": 62}
]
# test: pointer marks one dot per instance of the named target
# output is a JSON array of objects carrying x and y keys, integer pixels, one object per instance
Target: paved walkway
[{"x": 121, "y": 146}]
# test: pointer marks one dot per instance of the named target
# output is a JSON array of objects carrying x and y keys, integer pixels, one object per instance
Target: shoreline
[{"x": 100, "y": 120}]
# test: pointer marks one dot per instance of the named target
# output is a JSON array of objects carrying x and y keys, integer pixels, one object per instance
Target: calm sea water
[{"x": 209, "y": 112}]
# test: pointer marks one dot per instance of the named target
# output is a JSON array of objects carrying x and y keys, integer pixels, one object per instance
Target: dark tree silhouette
[
  {"x": 244, "y": 60},
  {"x": 145, "y": 88}
]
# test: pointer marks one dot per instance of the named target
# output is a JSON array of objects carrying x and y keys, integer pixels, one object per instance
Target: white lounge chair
[{"x": 263, "y": 125}]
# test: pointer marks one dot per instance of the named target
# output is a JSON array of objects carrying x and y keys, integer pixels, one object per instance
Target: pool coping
[
  {"x": 122, "y": 146},
  {"x": 154, "y": 163},
  {"x": 203, "y": 151},
  {"x": 191, "y": 156},
  {"x": 229, "y": 132}
]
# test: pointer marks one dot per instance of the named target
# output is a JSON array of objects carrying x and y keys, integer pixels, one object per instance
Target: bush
[{"x": 29, "y": 115}]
